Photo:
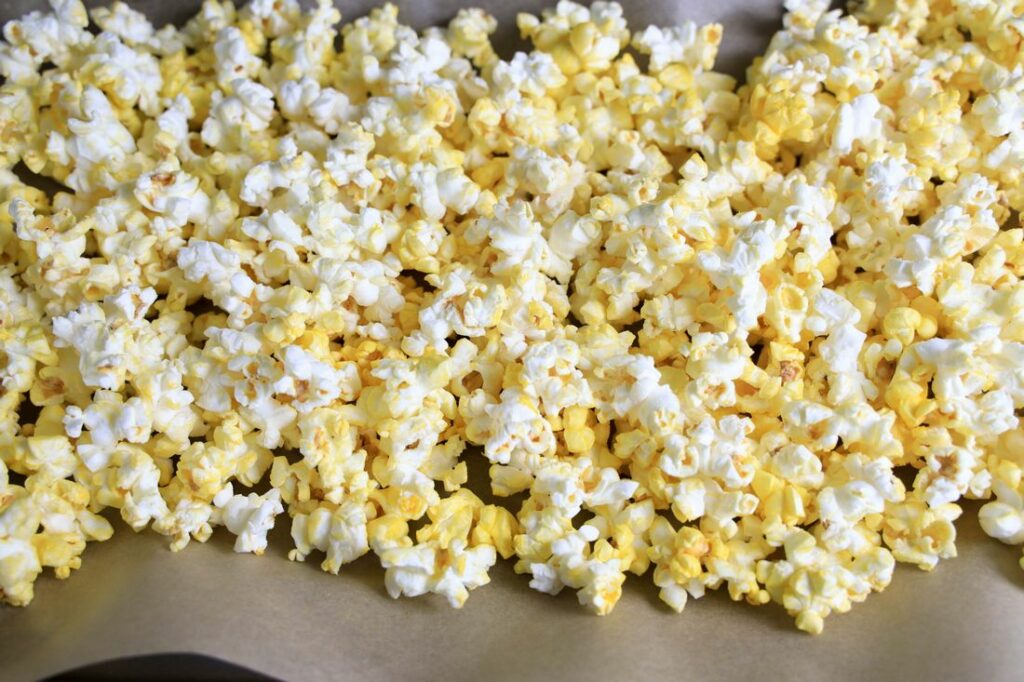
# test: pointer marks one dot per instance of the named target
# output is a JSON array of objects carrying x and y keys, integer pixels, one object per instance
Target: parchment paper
[{"x": 964, "y": 621}]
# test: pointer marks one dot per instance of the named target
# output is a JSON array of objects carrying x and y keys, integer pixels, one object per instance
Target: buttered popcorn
[{"x": 762, "y": 337}]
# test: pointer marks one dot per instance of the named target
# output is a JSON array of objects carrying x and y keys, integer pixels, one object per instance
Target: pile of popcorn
[{"x": 762, "y": 337}]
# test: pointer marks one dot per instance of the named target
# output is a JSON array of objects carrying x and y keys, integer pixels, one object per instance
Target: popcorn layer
[{"x": 761, "y": 337}]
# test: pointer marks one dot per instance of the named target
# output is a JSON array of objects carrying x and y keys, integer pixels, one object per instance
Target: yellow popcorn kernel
[
  {"x": 411, "y": 506},
  {"x": 438, "y": 106},
  {"x": 388, "y": 531},
  {"x": 48, "y": 388},
  {"x": 456, "y": 477},
  {"x": 690, "y": 548},
  {"x": 792, "y": 298},
  {"x": 921, "y": 535},
  {"x": 716, "y": 315},
  {"x": 578, "y": 436},
  {"x": 765, "y": 484},
  {"x": 909, "y": 400},
  {"x": 901, "y": 324},
  {"x": 506, "y": 481},
  {"x": 829, "y": 267},
  {"x": 496, "y": 526},
  {"x": 174, "y": 73},
  {"x": 451, "y": 519},
  {"x": 930, "y": 312},
  {"x": 216, "y": 163},
  {"x": 581, "y": 440},
  {"x": 489, "y": 174},
  {"x": 678, "y": 77},
  {"x": 255, "y": 39},
  {"x": 285, "y": 330},
  {"x": 582, "y": 37}
]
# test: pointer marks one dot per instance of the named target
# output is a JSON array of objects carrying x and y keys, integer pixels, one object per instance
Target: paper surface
[{"x": 133, "y": 596}]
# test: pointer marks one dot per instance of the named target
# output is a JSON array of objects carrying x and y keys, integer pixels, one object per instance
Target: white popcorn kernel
[{"x": 249, "y": 517}]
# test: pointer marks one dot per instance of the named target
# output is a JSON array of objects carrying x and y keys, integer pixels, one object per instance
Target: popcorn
[
  {"x": 516, "y": 427},
  {"x": 577, "y": 37},
  {"x": 249, "y": 517},
  {"x": 1003, "y": 518},
  {"x": 738, "y": 268},
  {"x": 573, "y": 564},
  {"x": 19, "y": 562},
  {"x": 119, "y": 19},
  {"x": 468, "y": 35},
  {"x": 686, "y": 45},
  {"x": 857, "y": 122},
  {"x": 811, "y": 583},
  {"x": 98, "y": 144},
  {"x": 234, "y": 60},
  {"x": 312, "y": 383},
  {"x": 39, "y": 37},
  {"x": 842, "y": 506},
  {"x": 106, "y": 337},
  {"x": 920, "y": 534},
  {"x": 462, "y": 304},
  {"x": 341, "y": 534},
  {"x": 125, "y": 75},
  {"x": 129, "y": 480},
  {"x": 1000, "y": 112},
  {"x": 694, "y": 326},
  {"x": 677, "y": 557},
  {"x": 251, "y": 105},
  {"x": 65, "y": 524},
  {"x": 442, "y": 561}
]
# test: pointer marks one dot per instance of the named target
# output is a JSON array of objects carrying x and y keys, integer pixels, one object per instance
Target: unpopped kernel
[{"x": 762, "y": 337}]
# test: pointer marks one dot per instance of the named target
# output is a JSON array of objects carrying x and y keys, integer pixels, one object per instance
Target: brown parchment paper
[{"x": 964, "y": 621}]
